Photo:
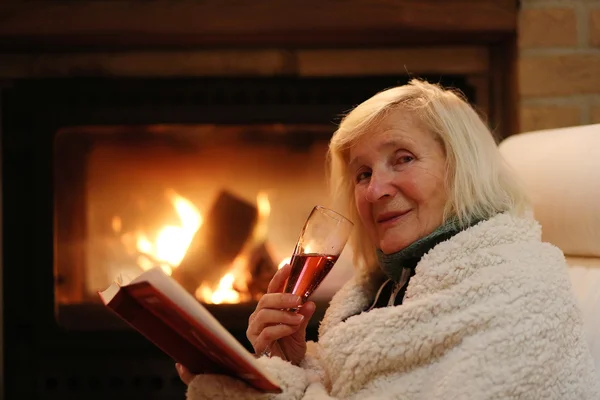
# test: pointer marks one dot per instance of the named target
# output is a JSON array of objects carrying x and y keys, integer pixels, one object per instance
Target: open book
[{"x": 166, "y": 314}]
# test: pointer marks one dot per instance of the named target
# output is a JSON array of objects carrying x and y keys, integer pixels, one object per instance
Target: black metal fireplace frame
[{"x": 43, "y": 359}]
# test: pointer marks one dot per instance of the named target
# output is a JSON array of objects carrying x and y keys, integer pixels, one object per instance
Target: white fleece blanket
[{"x": 489, "y": 315}]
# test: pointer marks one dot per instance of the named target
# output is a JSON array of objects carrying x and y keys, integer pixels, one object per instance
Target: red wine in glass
[
  {"x": 321, "y": 242},
  {"x": 308, "y": 271}
]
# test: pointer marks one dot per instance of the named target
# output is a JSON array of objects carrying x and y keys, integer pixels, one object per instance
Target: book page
[
  {"x": 189, "y": 305},
  {"x": 109, "y": 293}
]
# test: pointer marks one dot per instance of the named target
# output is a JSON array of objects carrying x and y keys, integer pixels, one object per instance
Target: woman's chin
[
  {"x": 397, "y": 238},
  {"x": 392, "y": 247}
]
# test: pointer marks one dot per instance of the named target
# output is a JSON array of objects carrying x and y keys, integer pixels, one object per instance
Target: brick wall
[{"x": 559, "y": 63}]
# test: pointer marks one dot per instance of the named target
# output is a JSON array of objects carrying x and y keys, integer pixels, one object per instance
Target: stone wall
[{"x": 559, "y": 63}]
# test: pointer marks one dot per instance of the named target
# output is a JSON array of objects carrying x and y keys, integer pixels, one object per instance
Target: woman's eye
[
  {"x": 362, "y": 176},
  {"x": 404, "y": 159}
]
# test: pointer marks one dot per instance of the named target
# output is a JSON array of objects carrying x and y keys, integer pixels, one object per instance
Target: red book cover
[{"x": 166, "y": 314}]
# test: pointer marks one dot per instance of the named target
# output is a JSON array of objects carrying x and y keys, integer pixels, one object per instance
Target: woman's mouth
[{"x": 390, "y": 218}]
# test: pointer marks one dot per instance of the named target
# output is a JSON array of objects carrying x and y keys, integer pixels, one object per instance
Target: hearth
[{"x": 103, "y": 176}]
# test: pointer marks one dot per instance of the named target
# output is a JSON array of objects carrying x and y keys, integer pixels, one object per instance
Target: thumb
[{"x": 184, "y": 374}]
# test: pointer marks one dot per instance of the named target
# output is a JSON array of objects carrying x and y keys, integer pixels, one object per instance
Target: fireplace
[
  {"x": 111, "y": 176},
  {"x": 217, "y": 206},
  {"x": 133, "y": 131}
]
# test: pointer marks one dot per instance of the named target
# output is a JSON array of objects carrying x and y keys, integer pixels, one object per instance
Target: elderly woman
[{"x": 454, "y": 296}]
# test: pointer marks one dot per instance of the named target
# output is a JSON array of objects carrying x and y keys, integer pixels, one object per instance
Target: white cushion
[{"x": 561, "y": 172}]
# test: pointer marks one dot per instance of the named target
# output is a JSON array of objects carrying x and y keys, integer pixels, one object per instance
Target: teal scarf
[{"x": 408, "y": 257}]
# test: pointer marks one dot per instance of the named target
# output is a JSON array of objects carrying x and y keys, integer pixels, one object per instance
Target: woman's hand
[
  {"x": 270, "y": 321},
  {"x": 185, "y": 375}
]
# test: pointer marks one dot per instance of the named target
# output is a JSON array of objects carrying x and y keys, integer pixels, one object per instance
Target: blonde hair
[{"x": 479, "y": 182}]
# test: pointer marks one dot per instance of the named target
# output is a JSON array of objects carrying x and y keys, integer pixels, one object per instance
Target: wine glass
[{"x": 320, "y": 244}]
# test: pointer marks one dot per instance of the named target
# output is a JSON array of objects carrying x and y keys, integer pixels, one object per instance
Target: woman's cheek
[
  {"x": 363, "y": 207},
  {"x": 419, "y": 185}
]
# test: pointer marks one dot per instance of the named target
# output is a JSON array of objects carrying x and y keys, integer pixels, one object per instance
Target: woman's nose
[{"x": 380, "y": 185}]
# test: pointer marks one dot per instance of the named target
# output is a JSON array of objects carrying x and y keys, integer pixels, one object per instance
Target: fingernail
[
  {"x": 178, "y": 367},
  {"x": 300, "y": 317}
]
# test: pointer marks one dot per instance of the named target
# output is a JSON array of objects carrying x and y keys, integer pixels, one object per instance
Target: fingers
[
  {"x": 184, "y": 374},
  {"x": 278, "y": 282},
  {"x": 267, "y": 317},
  {"x": 271, "y": 334},
  {"x": 271, "y": 310},
  {"x": 271, "y": 306},
  {"x": 277, "y": 301}
]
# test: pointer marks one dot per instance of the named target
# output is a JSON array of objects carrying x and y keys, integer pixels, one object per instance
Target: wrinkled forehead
[{"x": 395, "y": 130}]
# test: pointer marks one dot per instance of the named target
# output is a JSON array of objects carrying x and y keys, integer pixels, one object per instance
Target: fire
[
  {"x": 172, "y": 241},
  {"x": 233, "y": 286},
  {"x": 167, "y": 248},
  {"x": 224, "y": 293}
]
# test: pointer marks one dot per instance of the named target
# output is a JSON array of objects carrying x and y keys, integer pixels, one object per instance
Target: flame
[
  {"x": 233, "y": 286},
  {"x": 172, "y": 241},
  {"x": 167, "y": 248},
  {"x": 223, "y": 294},
  {"x": 264, "y": 205},
  {"x": 264, "y": 210}
]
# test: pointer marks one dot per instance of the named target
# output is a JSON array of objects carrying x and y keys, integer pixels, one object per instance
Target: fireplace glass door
[{"x": 217, "y": 207}]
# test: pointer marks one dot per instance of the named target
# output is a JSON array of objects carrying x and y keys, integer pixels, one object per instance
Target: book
[{"x": 159, "y": 308}]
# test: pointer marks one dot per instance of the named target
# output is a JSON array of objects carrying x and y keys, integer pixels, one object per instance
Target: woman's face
[{"x": 400, "y": 190}]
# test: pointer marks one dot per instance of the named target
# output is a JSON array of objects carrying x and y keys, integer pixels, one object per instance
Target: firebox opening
[{"x": 218, "y": 207}]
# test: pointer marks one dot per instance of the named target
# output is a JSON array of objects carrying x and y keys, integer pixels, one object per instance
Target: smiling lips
[{"x": 391, "y": 216}]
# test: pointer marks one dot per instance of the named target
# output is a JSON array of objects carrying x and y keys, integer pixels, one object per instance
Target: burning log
[
  {"x": 227, "y": 227},
  {"x": 261, "y": 268}
]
